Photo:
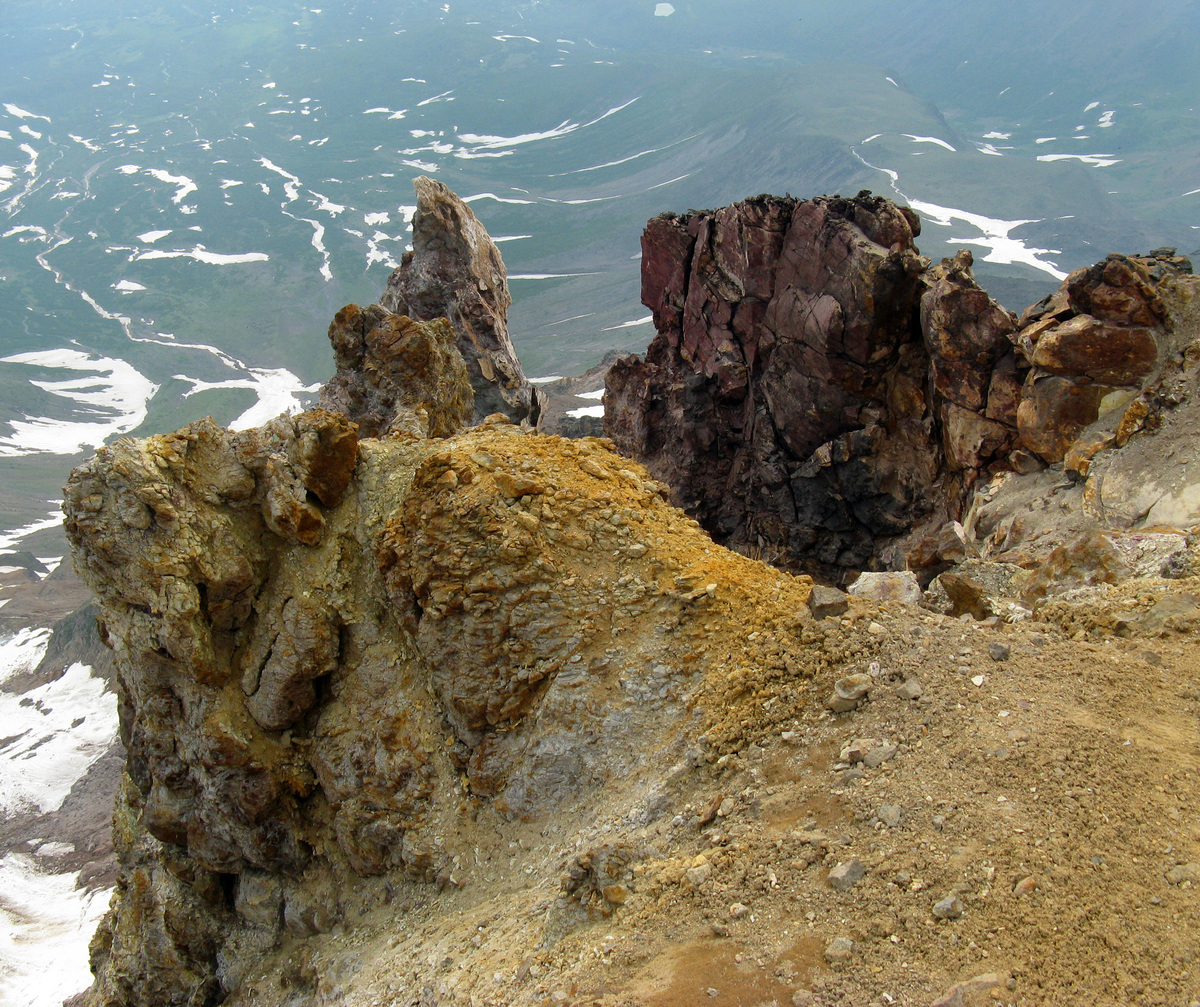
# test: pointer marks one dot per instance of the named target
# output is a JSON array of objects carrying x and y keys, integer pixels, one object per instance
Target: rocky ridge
[
  {"x": 818, "y": 394},
  {"x": 423, "y": 713}
]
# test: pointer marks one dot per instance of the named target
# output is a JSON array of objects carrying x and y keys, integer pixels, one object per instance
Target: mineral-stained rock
[
  {"x": 783, "y": 397},
  {"x": 1055, "y": 410},
  {"x": 328, "y": 650},
  {"x": 1111, "y": 354},
  {"x": 455, "y": 271},
  {"x": 1092, "y": 344},
  {"x": 976, "y": 588},
  {"x": 396, "y": 374},
  {"x": 965, "y": 331}
]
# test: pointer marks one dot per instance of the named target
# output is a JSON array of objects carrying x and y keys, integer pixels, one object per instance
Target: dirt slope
[{"x": 1046, "y": 778}]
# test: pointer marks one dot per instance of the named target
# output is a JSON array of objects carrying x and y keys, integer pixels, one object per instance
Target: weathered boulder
[
  {"x": 454, "y": 271},
  {"x": 1092, "y": 344}
]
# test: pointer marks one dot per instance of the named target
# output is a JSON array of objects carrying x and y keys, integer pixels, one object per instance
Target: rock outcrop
[
  {"x": 455, "y": 271},
  {"x": 817, "y": 394},
  {"x": 330, "y": 650},
  {"x": 397, "y": 374}
]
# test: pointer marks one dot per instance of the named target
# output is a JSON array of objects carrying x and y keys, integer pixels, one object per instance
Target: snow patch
[
  {"x": 278, "y": 390},
  {"x": 930, "y": 139},
  {"x": 995, "y": 237},
  {"x": 597, "y": 411},
  {"x": 114, "y": 391},
  {"x": 1099, "y": 160},
  {"x": 68, "y": 723},
  {"x": 201, "y": 254},
  {"x": 45, "y": 925},
  {"x": 631, "y": 324}
]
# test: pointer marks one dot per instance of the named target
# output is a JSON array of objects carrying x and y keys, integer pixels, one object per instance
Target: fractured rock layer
[{"x": 818, "y": 395}]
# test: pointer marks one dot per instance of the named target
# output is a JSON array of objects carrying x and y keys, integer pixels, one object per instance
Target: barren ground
[{"x": 1052, "y": 792}]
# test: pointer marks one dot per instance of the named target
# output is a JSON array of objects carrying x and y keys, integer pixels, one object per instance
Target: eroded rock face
[
  {"x": 397, "y": 374},
  {"x": 455, "y": 271},
  {"x": 789, "y": 397},
  {"x": 817, "y": 394},
  {"x": 329, "y": 650}
]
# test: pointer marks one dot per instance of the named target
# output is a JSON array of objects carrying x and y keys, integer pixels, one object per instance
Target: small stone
[
  {"x": 618, "y": 895},
  {"x": 880, "y": 754},
  {"x": 839, "y": 949},
  {"x": 854, "y": 774},
  {"x": 998, "y": 651},
  {"x": 845, "y": 876},
  {"x": 827, "y": 602},
  {"x": 1026, "y": 886},
  {"x": 848, "y": 692},
  {"x": 949, "y": 908},
  {"x": 698, "y": 875},
  {"x": 877, "y": 629},
  {"x": 1182, "y": 873},
  {"x": 1025, "y": 462},
  {"x": 910, "y": 690},
  {"x": 901, "y": 586},
  {"x": 737, "y": 911},
  {"x": 803, "y": 998},
  {"x": 969, "y": 992},
  {"x": 938, "y": 822},
  {"x": 857, "y": 750},
  {"x": 713, "y": 992},
  {"x": 978, "y": 680},
  {"x": 720, "y": 930},
  {"x": 890, "y": 815}
]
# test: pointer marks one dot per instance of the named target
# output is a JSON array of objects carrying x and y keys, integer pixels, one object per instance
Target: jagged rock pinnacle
[{"x": 455, "y": 271}]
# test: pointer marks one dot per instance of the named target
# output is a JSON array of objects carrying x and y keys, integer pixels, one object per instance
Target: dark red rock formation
[
  {"x": 818, "y": 395},
  {"x": 788, "y": 397},
  {"x": 455, "y": 272}
]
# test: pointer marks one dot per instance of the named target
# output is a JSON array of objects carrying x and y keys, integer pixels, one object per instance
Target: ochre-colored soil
[{"x": 1053, "y": 792}]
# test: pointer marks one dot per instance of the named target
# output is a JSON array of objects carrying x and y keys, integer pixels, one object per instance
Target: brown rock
[
  {"x": 1119, "y": 288},
  {"x": 1054, "y": 411},
  {"x": 1132, "y": 421},
  {"x": 455, "y": 272},
  {"x": 827, "y": 602},
  {"x": 972, "y": 440},
  {"x": 1078, "y": 459},
  {"x": 965, "y": 332},
  {"x": 1106, "y": 353},
  {"x": 396, "y": 374}
]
